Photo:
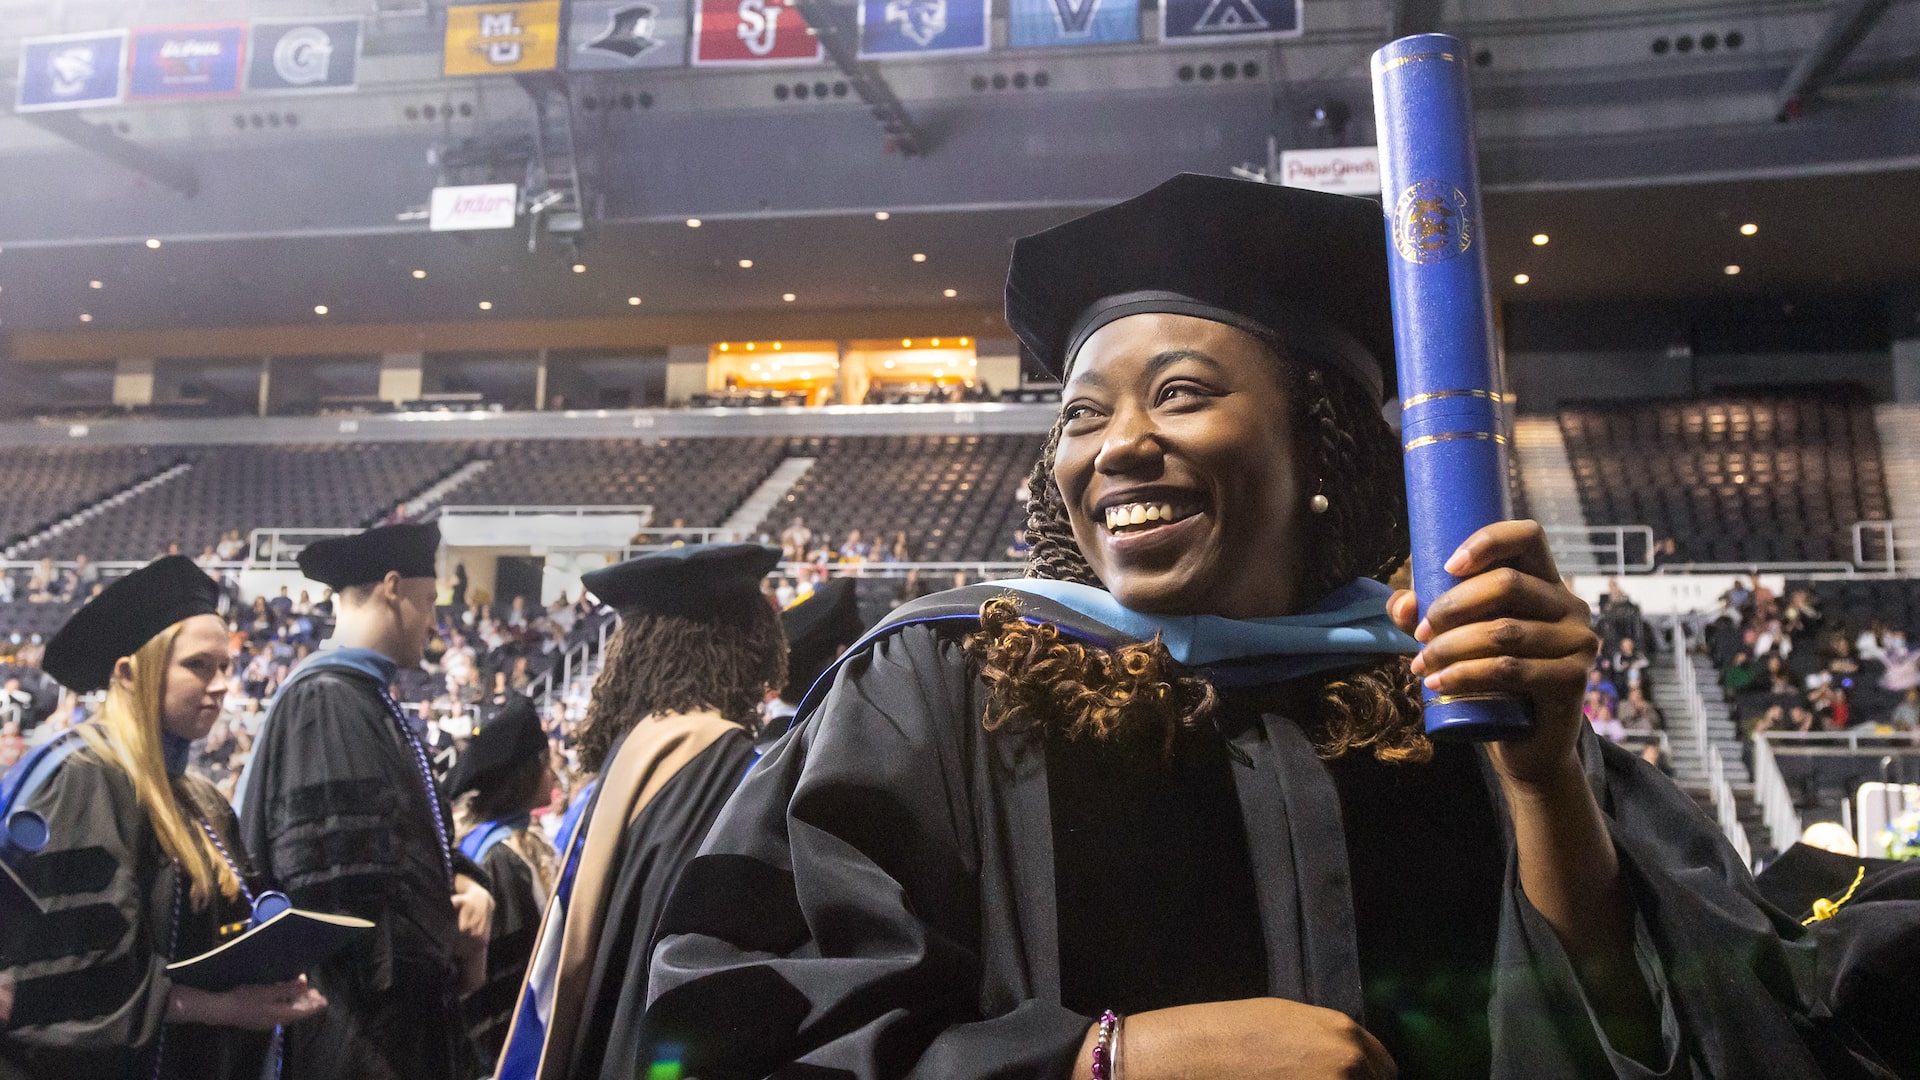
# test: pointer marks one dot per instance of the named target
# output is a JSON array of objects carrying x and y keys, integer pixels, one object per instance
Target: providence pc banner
[
  {"x": 291, "y": 56},
  {"x": 617, "y": 35},
  {"x": 896, "y": 28},
  {"x": 1199, "y": 22},
  {"x": 1035, "y": 24},
  {"x": 186, "y": 61},
  {"x": 751, "y": 32},
  {"x": 501, "y": 39},
  {"x": 71, "y": 71}
]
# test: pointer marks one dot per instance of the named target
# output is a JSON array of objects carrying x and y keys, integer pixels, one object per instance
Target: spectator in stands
[
  {"x": 804, "y": 577},
  {"x": 231, "y": 547},
  {"x": 901, "y": 552},
  {"x": 1665, "y": 551},
  {"x": 783, "y": 594},
  {"x": 854, "y": 550},
  {"x": 1018, "y": 548},
  {"x": 1906, "y": 715},
  {"x": 1779, "y": 680},
  {"x": 1619, "y": 616},
  {"x": 1598, "y": 710},
  {"x": 281, "y": 606},
  {"x": 207, "y": 558},
  {"x": 1652, "y": 755},
  {"x": 303, "y": 605},
  {"x": 1739, "y": 676},
  {"x": 7, "y": 585},
  {"x": 323, "y": 609},
  {"x": 1636, "y": 713},
  {"x": 1871, "y": 644},
  {"x": 85, "y": 574},
  {"x": 516, "y": 617},
  {"x": 562, "y": 615},
  {"x": 1629, "y": 666},
  {"x": 1597, "y": 682},
  {"x": 679, "y": 536},
  {"x": 259, "y": 624},
  {"x": 796, "y": 540},
  {"x": 41, "y": 585}
]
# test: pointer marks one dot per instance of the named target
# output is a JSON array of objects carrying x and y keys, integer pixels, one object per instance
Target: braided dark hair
[
  {"x": 724, "y": 659},
  {"x": 1137, "y": 694}
]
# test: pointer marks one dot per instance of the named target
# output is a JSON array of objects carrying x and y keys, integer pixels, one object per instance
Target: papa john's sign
[
  {"x": 1347, "y": 170},
  {"x": 475, "y": 206}
]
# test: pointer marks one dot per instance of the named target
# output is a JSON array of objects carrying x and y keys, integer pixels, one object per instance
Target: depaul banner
[
  {"x": 751, "y": 32},
  {"x": 1043, "y": 23},
  {"x": 186, "y": 61},
  {"x": 616, "y": 35},
  {"x": 71, "y": 71},
  {"x": 897, "y": 28},
  {"x": 286, "y": 56},
  {"x": 499, "y": 39},
  {"x": 1198, "y": 22}
]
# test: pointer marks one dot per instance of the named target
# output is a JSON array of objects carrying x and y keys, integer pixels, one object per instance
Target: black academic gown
[
  {"x": 90, "y": 976},
  {"x": 517, "y": 905},
  {"x": 336, "y": 812},
  {"x": 880, "y": 900}
]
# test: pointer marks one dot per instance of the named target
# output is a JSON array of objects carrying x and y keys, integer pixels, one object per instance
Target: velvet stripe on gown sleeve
[{"x": 831, "y": 925}]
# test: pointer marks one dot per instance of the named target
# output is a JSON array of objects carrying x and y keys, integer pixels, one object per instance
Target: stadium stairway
[
  {"x": 751, "y": 516},
  {"x": 1547, "y": 478},
  {"x": 131, "y": 491},
  {"x": 1899, "y": 430},
  {"x": 1723, "y": 737},
  {"x": 435, "y": 494}
]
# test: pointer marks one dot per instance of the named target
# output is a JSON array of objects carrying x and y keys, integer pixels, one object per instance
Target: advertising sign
[
  {"x": 1348, "y": 170},
  {"x": 1044, "y": 23},
  {"x": 500, "y": 39},
  {"x": 1199, "y": 22},
  {"x": 751, "y": 32},
  {"x": 616, "y": 35},
  {"x": 186, "y": 61},
  {"x": 286, "y": 56},
  {"x": 894, "y": 28},
  {"x": 475, "y": 206},
  {"x": 71, "y": 71}
]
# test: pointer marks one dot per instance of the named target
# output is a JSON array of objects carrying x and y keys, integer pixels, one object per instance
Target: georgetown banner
[
  {"x": 295, "y": 56},
  {"x": 71, "y": 71},
  {"x": 891, "y": 29},
  {"x": 1200, "y": 22},
  {"x": 617, "y": 35},
  {"x": 1044, "y": 23}
]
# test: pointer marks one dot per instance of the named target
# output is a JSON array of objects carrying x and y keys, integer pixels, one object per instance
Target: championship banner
[
  {"x": 297, "y": 56},
  {"x": 895, "y": 28},
  {"x": 500, "y": 39},
  {"x": 617, "y": 35},
  {"x": 751, "y": 32},
  {"x": 71, "y": 71},
  {"x": 1202, "y": 22},
  {"x": 1035, "y": 24},
  {"x": 186, "y": 61}
]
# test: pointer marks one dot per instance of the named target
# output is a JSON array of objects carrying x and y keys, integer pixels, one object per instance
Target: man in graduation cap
[
  {"x": 820, "y": 626},
  {"x": 668, "y": 733},
  {"x": 339, "y": 806}
]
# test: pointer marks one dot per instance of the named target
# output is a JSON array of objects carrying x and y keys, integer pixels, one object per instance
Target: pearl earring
[{"x": 1318, "y": 504}]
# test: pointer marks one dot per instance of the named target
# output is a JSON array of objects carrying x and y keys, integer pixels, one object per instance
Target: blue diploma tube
[{"x": 1456, "y": 451}]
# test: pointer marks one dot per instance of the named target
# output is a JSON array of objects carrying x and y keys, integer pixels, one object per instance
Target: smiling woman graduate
[
  {"x": 141, "y": 865},
  {"x": 1165, "y": 808}
]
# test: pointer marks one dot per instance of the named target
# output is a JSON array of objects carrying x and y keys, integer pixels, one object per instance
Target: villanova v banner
[
  {"x": 1042, "y": 23},
  {"x": 1191, "y": 22},
  {"x": 890, "y": 29}
]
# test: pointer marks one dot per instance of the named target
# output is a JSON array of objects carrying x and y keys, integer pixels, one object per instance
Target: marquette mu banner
[{"x": 496, "y": 39}]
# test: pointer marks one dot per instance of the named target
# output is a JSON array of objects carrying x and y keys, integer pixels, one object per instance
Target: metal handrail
[
  {"x": 526, "y": 509},
  {"x": 1725, "y": 807},
  {"x": 1844, "y": 569},
  {"x": 1567, "y": 540},
  {"x": 1777, "y": 811},
  {"x": 283, "y": 556},
  {"x": 542, "y": 688},
  {"x": 1852, "y": 741},
  {"x": 1891, "y": 543}
]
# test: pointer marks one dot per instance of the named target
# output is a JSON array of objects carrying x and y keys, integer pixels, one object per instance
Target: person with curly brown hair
[
  {"x": 669, "y": 734},
  {"x": 1165, "y": 808}
]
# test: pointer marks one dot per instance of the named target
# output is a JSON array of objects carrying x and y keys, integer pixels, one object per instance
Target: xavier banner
[
  {"x": 1044, "y": 23},
  {"x": 751, "y": 32},
  {"x": 500, "y": 39},
  {"x": 897, "y": 28},
  {"x": 616, "y": 35},
  {"x": 1199, "y": 22},
  {"x": 186, "y": 61},
  {"x": 71, "y": 71},
  {"x": 291, "y": 56}
]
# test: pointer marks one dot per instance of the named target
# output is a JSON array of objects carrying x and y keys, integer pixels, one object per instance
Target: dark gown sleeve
[
  {"x": 90, "y": 981},
  {"x": 831, "y": 926},
  {"x": 1739, "y": 986},
  {"x": 336, "y": 814},
  {"x": 517, "y": 906},
  {"x": 660, "y": 842}
]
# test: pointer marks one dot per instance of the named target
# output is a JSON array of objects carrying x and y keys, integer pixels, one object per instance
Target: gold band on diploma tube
[
  {"x": 1440, "y": 395},
  {"x": 1449, "y": 436}
]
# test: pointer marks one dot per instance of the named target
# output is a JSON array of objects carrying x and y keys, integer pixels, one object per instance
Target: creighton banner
[
  {"x": 1189, "y": 22},
  {"x": 71, "y": 71},
  {"x": 499, "y": 39},
  {"x": 615, "y": 35},
  {"x": 303, "y": 55},
  {"x": 894, "y": 28},
  {"x": 1042, "y": 23}
]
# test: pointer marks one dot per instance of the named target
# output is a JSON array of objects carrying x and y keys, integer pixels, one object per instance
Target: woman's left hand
[{"x": 1510, "y": 627}]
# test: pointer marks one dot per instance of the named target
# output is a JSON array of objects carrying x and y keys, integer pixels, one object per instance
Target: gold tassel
[{"x": 1824, "y": 908}]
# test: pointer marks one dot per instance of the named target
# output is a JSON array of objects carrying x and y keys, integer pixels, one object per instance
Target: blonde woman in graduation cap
[{"x": 133, "y": 857}]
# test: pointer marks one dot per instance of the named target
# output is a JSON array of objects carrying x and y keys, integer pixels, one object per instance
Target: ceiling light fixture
[
  {"x": 1730, "y": 270},
  {"x": 749, "y": 346},
  {"x": 486, "y": 305},
  {"x": 1749, "y": 229},
  {"x": 1521, "y": 279},
  {"x": 693, "y": 223},
  {"x": 724, "y": 346},
  {"x": 965, "y": 342},
  {"x": 579, "y": 268},
  {"x": 153, "y": 242},
  {"x": 906, "y": 343},
  {"x": 919, "y": 256},
  {"x": 881, "y": 215},
  {"x": 84, "y": 317},
  {"x": 319, "y": 309},
  {"x": 1540, "y": 239},
  {"x": 95, "y": 284},
  {"x": 788, "y": 297},
  {"x": 633, "y": 301},
  {"x": 951, "y": 293},
  {"x": 746, "y": 264},
  {"x": 418, "y": 274},
  {"x": 776, "y": 346}
]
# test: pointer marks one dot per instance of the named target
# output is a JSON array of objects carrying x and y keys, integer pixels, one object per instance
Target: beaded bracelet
[{"x": 1106, "y": 1048}]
